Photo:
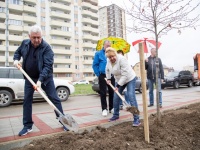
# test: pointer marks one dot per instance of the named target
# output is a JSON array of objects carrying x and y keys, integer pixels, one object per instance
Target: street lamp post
[{"x": 7, "y": 34}]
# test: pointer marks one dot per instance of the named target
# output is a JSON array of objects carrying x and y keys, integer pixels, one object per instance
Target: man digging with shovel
[
  {"x": 125, "y": 78},
  {"x": 38, "y": 65}
]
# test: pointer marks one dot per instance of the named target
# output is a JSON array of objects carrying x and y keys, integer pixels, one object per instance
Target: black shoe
[
  {"x": 150, "y": 105},
  {"x": 121, "y": 107},
  {"x": 160, "y": 106}
]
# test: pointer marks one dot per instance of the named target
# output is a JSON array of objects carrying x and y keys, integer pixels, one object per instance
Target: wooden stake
[{"x": 144, "y": 95}]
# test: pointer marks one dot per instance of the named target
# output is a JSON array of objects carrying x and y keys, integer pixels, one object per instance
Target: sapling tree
[{"x": 158, "y": 17}]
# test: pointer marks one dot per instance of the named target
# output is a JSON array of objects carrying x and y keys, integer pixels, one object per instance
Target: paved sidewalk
[{"x": 87, "y": 117}]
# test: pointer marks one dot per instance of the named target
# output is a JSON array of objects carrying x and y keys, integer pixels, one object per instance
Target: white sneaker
[
  {"x": 104, "y": 113},
  {"x": 111, "y": 111}
]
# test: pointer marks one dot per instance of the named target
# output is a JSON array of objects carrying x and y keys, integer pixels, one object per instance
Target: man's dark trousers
[{"x": 103, "y": 91}]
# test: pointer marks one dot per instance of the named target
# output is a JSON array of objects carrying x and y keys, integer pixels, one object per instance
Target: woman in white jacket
[{"x": 125, "y": 78}]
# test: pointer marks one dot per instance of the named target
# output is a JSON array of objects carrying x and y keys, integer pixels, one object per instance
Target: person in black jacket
[
  {"x": 150, "y": 66},
  {"x": 38, "y": 63}
]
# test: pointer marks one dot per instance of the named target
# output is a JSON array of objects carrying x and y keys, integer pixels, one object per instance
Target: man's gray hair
[
  {"x": 35, "y": 29},
  {"x": 106, "y": 41}
]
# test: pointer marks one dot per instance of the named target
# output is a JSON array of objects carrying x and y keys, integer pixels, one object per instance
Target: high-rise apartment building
[
  {"x": 112, "y": 21},
  {"x": 69, "y": 26}
]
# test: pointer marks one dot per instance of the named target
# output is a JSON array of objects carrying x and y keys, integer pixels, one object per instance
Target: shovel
[
  {"x": 129, "y": 108},
  {"x": 66, "y": 120}
]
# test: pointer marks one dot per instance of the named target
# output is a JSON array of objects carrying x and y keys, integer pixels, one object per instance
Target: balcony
[
  {"x": 88, "y": 45},
  {"x": 90, "y": 21},
  {"x": 30, "y": 19},
  {"x": 87, "y": 62},
  {"x": 2, "y": 37},
  {"x": 60, "y": 6},
  {"x": 17, "y": 8},
  {"x": 90, "y": 13},
  {"x": 60, "y": 15},
  {"x": 91, "y": 37},
  {"x": 15, "y": 38},
  {"x": 2, "y": 48},
  {"x": 62, "y": 70},
  {"x": 66, "y": 1},
  {"x": 31, "y": 1},
  {"x": 88, "y": 5},
  {"x": 2, "y": 15},
  {"x": 60, "y": 42},
  {"x": 88, "y": 70},
  {"x": 30, "y": 9},
  {"x": 15, "y": 17},
  {"x": 26, "y": 28},
  {"x": 13, "y": 48},
  {"x": 62, "y": 61},
  {"x": 88, "y": 53},
  {"x": 3, "y": 26},
  {"x": 15, "y": 28},
  {"x": 61, "y": 33},
  {"x": 59, "y": 23},
  {"x": 59, "y": 51}
]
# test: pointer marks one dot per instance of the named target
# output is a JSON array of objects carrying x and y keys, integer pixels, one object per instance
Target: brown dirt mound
[{"x": 180, "y": 129}]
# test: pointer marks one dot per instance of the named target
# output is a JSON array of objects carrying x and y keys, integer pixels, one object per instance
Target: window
[
  {"x": 76, "y": 8},
  {"x": 75, "y": 16},
  {"x": 17, "y": 2},
  {"x": 76, "y": 50},
  {"x": 67, "y": 48},
  {"x": 68, "y": 75},
  {"x": 65, "y": 28},
  {"x": 4, "y": 73},
  {"x": 77, "y": 75},
  {"x": 76, "y": 32},
  {"x": 43, "y": 19},
  {"x": 68, "y": 66},
  {"x": 43, "y": 28},
  {"x": 76, "y": 41},
  {"x": 55, "y": 65},
  {"x": 15, "y": 22},
  {"x": 42, "y": 9},
  {"x": 76, "y": 58},
  {"x": 15, "y": 74},
  {"x": 76, "y": 67},
  {"x": 67, "y": 57},
  {"x": 75, "y": 24},
  {"x": 2, "y": 9},
  {"x": 75, "y": 1}
]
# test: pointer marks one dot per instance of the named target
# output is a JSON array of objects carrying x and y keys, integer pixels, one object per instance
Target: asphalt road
[{"x": 74, "y": 102}]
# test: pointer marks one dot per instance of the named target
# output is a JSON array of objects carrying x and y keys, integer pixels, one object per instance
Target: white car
[
  {"x": 81, "y": 82},
  {"x": 12, "y": 86}
]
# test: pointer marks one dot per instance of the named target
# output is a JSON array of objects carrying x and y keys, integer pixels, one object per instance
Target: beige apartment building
[
  {"x": 112, "y": 22},
  {"x": 69, "y": 26}
]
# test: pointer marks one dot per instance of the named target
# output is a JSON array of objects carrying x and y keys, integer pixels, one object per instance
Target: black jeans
[
  {"x": 103, "y": 91},
  {"x": 28, "y": 99}
]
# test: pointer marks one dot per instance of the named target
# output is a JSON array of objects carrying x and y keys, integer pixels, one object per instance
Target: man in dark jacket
[
  {"x": 38, "y": 64},
  {"x": 99, "y": 67},
  {"x": 150, "y": 66}
]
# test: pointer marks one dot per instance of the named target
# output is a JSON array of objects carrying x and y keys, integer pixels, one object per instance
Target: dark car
[
  {"x": 138, "y": 86},
  {"x": 178, "y": 78}
]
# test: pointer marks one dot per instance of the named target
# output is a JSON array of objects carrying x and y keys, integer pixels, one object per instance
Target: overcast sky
[{"x": 176, "y": 50}]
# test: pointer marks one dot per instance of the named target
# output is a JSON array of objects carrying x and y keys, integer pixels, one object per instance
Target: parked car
[
  {"x": 12, "y": 86},
  {"x": 81, "y": 82},
  {"x": 138, "y": 86},
  {"x": 178, "y": 78}
]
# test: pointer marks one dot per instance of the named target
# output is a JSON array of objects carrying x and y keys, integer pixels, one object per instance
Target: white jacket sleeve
[{"x": 108, "y": 71}]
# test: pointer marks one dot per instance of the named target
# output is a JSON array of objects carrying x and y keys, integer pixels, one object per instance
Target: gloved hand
[
  {"x": 38, "y": 84},
  {"x": 16, "y": 63}
]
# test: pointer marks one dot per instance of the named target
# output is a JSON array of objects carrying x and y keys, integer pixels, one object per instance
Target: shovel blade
[{"x": 68, "y": 122}]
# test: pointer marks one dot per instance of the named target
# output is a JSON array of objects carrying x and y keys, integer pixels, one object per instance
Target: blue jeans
[
  {"x": 151, "y": 88},
  {"x": 28, "y": 99},
  {"x": 131, "y": 95}
]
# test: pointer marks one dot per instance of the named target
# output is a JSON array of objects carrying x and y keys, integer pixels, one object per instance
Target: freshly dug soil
[{"x": 179, "y": 129}]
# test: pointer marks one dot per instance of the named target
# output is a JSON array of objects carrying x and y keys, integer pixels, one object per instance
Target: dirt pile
[{"x": 180, "y": 129}]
